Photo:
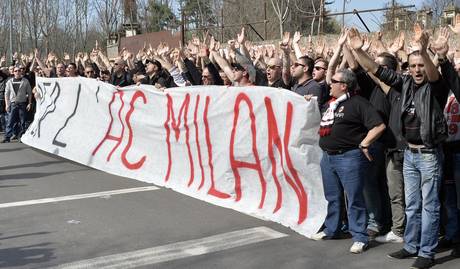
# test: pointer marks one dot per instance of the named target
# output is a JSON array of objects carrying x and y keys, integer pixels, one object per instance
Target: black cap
[{"x": 155, "y": 62}]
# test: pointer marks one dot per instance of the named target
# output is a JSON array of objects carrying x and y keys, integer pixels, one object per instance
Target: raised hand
[
  {"x": 441, "y": 45},
  {"x": 231, "y": 44},
  {"x": 66, "y": 57},
  {"x": 398, "y": 43},
  {"x": 367, "y": 43},
  {"x": 456, "y": 27},
  {"x": 355, "y": 41},
  {"x": 418, "y": 32},
  {"x": 241, "y": 37},
  {"x": 296, "y": 38},
  {"x": 284, "y": 44},
  {"x": 343, "y": 36},
  {"x": 320, "y": 46}
]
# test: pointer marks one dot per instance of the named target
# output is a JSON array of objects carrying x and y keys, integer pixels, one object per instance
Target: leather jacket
[{"x": 429, "y": 100}]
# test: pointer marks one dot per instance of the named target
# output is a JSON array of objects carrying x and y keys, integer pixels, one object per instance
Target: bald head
[{"x": 274, "y": 70}]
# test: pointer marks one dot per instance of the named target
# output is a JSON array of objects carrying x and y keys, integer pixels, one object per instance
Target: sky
[{"x": 373, "y": 19}]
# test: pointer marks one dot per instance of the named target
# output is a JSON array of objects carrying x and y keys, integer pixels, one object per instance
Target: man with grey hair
[{"x": 349, "y": 125}]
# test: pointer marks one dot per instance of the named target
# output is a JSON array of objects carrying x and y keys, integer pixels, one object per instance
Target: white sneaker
[
  {"x": 389, "y": 238},
  {"x": 319, "y": 236},
  {"x": 358, "y": 247}
]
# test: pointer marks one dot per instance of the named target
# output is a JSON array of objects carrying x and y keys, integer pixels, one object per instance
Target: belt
[
  {"x": 336, "y": 152},
  {"x": 422, "y": 150}
]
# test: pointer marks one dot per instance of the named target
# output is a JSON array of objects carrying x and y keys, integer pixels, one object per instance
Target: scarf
[{"x": 325, "y": 127}]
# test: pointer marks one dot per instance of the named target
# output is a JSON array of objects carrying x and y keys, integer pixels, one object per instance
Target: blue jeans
[
  {"x": 345, "y": 172},
  {"x": 17, "y": 114},
  {"x": 422, "y": 180}
]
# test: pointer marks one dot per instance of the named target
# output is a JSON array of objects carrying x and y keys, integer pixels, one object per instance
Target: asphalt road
[{"x": 145, "y": 227}]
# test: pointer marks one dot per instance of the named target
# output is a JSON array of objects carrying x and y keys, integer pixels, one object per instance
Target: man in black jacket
[
  {"x": 423, "y": 96},
  {"x": 3, "y": 78},
  {"x": 120, "y": 77}
]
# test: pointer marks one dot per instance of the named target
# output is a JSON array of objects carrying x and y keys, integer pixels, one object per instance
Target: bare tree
[
  {"x": 48, "y": 22},
  {"x": 281, "y": 8},
  {"x": 109, "y": 14}
]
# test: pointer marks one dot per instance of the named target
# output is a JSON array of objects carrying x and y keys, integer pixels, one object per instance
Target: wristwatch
[{"x": 363, "y": 147}]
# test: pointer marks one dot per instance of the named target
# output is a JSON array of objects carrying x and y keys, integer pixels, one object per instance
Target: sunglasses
[
  {"x": 89, "y": 72},
  {"x": 317, "y": 68},
  {"x": 336, "y": 81},
  {"x": 273, "y": 66},
  {"x": 297, "y": 64}
]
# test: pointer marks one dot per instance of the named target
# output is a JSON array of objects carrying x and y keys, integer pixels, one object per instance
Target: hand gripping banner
[{"x": 252, "y": 149}]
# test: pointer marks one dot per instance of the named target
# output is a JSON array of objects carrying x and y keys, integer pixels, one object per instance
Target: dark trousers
[{"x": 16, "y": 115}]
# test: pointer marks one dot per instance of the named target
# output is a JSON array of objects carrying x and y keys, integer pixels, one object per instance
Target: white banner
[{"x": 252, "y": 149}]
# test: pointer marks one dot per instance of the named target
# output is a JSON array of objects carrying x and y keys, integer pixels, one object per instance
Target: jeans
[
  {"x": 372, "y": 187},
  {"x": 17, "y": 114},
  {"x": 396, "y": 191},
  {"x": 345, "y": 172},
  {"x": 422, "y": 180}
]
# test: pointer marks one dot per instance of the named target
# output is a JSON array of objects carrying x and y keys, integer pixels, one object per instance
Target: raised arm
[
  {"x": 355, "y": 41},
  {"x": 448, "y": 72},
  {"x": 335, "y": 57},
  {"x": 224, "y": 65},
  {"x": 284, "y": 46},
  {"x": 422, "y": 38},
  {"x": 295, "y": 44},
  {"x": 241, "y": 38}
]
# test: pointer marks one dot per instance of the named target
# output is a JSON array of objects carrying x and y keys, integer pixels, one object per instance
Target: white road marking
[
  {"x": 77, "y": 197},
  {"x": 178, "y": 250}
]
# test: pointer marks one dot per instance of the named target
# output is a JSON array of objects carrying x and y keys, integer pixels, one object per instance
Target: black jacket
[
  {"x": 429, "y": 101},
  {"x": 125, "y": 80}
]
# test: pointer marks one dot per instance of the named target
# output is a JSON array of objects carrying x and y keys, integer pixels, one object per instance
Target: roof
[{"x": 135, "y": 43}]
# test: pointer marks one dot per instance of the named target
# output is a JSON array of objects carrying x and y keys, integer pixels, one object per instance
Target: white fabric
[
  {"x": 328, "y": 117},
  {"x": 223, "y": 142}
]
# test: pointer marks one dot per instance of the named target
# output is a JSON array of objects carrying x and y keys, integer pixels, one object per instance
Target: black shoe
[
  {"x": 372, "y": 234},
  {"x": 6, "y": 140},
  {"x": 422, "y": 263},
  {"x": 402, "y": 254},
  {"x": 456, "y": 252},
  {"x": 444, "y": 243}
]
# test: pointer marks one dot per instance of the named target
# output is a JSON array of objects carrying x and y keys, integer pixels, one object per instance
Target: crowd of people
[{"x": 389, "y": 129}]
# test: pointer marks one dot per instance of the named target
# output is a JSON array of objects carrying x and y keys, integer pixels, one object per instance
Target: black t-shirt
[
  {"x": 16, "y": 83},
  {"x": 411, "y": 123},
  {"x": 280, "y": 84},
  {"x": 353, "y": 119}
]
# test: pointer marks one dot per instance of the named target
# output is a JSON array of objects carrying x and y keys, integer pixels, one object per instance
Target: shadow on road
[
  {"x": 11, "y": 150},
  {"x": 19, "y": 166},
  {"x": 12, "y": 186},
  {"x": 23, "y": 235},
  {"x": 20, "y": 256},
  {"x": 37, "y": 175}
]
